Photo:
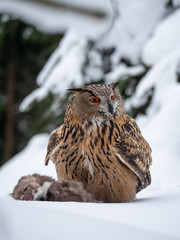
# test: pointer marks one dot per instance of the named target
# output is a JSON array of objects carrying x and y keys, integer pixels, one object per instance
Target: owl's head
[{"x": 96, "y": 101}]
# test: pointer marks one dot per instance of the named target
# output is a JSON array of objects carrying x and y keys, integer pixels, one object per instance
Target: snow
[
  {"x": 153, "y": 215},
  {"x": 161, "y": 124},
  {"x": 75, "y": 220},
  {"x": 92, "y": 5},
  {"x": 128, "y": 35},
  {"x": 165, "y": 40},
  {"x": 55, "y": 76},
  {"x": 176, "y": 3},
  {"x": 155, "y": 212},
  {"x": 122, "y": 71},
  {"x": 134, "y": 25},
  {"x": 143, "y": 30},
  {"x": 57, "y": 20},
  {"x": 143, "y": 219},
  {"x": 29, "y": 161}
]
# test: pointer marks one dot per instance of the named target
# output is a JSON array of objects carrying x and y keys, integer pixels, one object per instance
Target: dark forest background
[{"x": 23, "y": 52}]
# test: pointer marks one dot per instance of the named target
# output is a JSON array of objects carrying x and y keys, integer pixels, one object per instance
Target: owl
[{"x": 101, "y": 146}]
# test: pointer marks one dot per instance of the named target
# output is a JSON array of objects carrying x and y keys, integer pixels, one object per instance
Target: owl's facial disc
[{"x": 97, "y": 101}]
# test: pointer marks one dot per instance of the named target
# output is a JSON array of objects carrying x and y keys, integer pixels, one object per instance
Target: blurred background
[{"x": 47, "y": 46}]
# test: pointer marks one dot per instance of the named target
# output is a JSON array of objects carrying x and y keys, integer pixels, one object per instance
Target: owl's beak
[{"x": 110, "y": 108}]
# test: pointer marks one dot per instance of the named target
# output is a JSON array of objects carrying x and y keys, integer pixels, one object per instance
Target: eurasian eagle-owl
[{"x": 101, "y": 146}]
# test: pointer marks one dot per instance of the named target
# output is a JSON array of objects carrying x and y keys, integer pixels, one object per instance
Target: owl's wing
[
  {"x": 53, "y": 143},
  {"x": 133, "y": 150}
]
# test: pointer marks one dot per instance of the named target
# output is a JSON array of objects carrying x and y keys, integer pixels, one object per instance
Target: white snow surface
[{"x": 154, "y": 217}]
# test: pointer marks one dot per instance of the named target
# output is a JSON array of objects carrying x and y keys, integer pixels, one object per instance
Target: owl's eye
[
  {"x": 94, "y": 100},
  {"x": 112, "y": 97}
]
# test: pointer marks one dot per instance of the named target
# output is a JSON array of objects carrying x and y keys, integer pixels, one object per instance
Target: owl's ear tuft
[
  {"x": 115, "y": 85},
  {"x": 75, "y": 89}
]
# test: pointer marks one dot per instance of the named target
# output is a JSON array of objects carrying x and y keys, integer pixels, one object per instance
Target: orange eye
[
  {"x": 94, "y": 100},
  {"x": 112, "y": 97}
]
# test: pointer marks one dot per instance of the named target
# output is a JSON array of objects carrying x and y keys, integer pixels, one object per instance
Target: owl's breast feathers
[{"x": 86, "y": 149}]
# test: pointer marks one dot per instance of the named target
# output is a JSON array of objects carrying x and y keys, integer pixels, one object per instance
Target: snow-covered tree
[{"x": 135, "y": 42}]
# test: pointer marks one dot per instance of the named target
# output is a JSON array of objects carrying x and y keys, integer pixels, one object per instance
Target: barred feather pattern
[{"x": 109, "y": 156}]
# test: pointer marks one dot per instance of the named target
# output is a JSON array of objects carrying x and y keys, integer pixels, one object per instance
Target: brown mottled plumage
[{"x": 101, "y": 146}]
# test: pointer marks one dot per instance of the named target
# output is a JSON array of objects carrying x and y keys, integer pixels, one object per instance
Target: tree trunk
[{"x": 9, "y": 130}]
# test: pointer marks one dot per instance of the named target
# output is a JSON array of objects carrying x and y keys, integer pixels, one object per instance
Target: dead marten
[{"x": 43, "y": 188}]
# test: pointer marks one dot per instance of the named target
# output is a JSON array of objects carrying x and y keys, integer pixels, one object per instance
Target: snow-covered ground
[
  {"x": 154, "y": 214},
  {"x": 145, "y": 32}
]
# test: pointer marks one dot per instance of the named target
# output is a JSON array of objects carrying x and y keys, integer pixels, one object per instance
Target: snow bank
[
  {"x": 155, "y": 216},
  {"x": 29, "y": 161},
  {"x": 165, "y": 40}
]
